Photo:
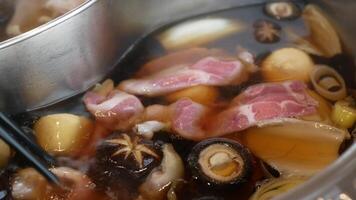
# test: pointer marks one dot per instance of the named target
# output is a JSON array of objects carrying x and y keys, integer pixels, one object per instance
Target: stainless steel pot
[{"x": 68, "y": 55}]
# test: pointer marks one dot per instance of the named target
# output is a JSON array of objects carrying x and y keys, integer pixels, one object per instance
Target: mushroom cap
[
  {"x": 220, "y": 163},
  {"x": 282, "y": 10},
  {"x": 135, "y": 160}
]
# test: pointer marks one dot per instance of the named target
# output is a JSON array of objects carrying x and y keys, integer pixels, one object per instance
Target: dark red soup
[{"x": 244, "y": 103}]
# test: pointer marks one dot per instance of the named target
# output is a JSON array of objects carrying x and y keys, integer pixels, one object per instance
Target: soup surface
[{"x": 244, "y": 103}]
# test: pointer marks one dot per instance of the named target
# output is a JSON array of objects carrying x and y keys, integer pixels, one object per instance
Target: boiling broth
[{"x": 150, "y": 47}]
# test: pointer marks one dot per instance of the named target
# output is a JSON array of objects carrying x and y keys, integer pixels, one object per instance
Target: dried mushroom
[
  {"x": 328, "y": 83},
  {"x": 128, "y": 156},
  {"x": 282, "y": 10},
  {"x": 220, "y": 163},
  {"x": 267, "y": 31}
]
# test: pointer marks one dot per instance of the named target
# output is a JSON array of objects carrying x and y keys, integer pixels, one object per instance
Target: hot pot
[{"x": 73, "y": 52}]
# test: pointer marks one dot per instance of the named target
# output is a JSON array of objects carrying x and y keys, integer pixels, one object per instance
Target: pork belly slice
[
  {"x": 257, "y": 104},
  {"x": 207, "y": 71},
  {"x": 187, "y": 119},
  {"x": 116, "y": 111}
]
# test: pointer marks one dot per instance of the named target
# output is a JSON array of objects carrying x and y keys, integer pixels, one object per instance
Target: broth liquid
[{"x": 149, "y": 48}]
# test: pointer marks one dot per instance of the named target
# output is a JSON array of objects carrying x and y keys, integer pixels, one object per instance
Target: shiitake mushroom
[
  {"x": 128, "y": 156},
  {"x": 220, "y": 163},
  {"x": 282, "y": 10}
]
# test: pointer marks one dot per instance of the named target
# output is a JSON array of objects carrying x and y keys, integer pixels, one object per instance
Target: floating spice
[
  {"x": 267, "y": 31},
  {"x": 131, "y": 156}
]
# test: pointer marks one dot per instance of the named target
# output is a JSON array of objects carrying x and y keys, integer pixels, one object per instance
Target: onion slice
[
  {"x": 275, "y": 187},
  {"x": 295, "y": 147},
  {"x": 328, "y": 83}
]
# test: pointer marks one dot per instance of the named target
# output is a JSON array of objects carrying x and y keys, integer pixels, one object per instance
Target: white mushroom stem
[
  {"x": 148, "y": 128},
  {"x": 171, "y": 168}
]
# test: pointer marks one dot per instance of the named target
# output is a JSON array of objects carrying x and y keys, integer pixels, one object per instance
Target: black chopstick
[
  {"x": 38, "y": 165},
  {"x": 19, "y": 134}
]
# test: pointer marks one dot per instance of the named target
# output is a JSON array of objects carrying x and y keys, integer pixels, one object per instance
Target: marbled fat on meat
[
  {"x": 207, "y": 71},
  {"x": 257, "y": 104},
  {"x": 118, "y": 110},
  {"x": 262, "y": 102}
]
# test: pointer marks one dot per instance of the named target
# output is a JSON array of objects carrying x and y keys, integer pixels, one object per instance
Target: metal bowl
[{"x": 71, "y": 53}]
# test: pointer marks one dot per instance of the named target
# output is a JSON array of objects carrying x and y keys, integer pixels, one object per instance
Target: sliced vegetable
[
  {"x": 63, "y": 134},
  {"x": 344, "y": 114},
  {"x": 294, "y": 146},
  {"x": 322, "y": 33},
  {"x": 275, "y": 187},
  {"x": 287, "y": 64},
  {"x": 201, "y": 94},
  {"x": 5, "y": 154},
  {"x": 328, "y": 83},
  {"x": 282, "y": 10},
  {"x": 198, "y": 32},
  {"x": 157, "y": 183},
  {"x": 303, "y": 43},
  {"x": 220, "y": 163}
]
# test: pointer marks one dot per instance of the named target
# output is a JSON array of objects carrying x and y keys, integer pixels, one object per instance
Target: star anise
[
  {"x": 131, "y": 146},
  {"x": 267, "y": 31}
]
